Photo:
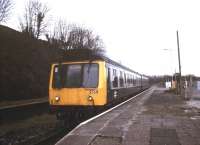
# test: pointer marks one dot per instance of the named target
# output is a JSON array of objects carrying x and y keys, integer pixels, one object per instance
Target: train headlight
[
  {"x": 57, "y": 98},
  {"x": 90, "y": 98}
]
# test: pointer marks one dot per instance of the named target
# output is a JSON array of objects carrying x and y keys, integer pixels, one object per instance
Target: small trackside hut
[{"x": 85, "y": 80}]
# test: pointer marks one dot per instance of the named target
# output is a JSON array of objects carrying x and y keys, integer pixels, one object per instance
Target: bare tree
[
  {"x": 5, "y": 8},
  {"x": 74, "y": 37},
  {"x": 34, "y": 23},
  {"x": 59, "y": 36},
  {"x": 81, "y": 38}
]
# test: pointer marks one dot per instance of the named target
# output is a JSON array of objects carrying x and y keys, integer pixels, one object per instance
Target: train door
[{"x": 109, "y": 94}]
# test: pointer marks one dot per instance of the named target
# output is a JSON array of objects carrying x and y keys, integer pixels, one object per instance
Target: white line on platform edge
[{"x": 103, "y": 113}]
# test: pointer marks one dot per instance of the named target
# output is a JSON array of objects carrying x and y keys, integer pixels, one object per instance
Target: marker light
[{"x": 57, "y": 98}]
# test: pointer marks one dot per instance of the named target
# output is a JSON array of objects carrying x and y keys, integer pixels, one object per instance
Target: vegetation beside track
[{"x": 25, "y": 64}]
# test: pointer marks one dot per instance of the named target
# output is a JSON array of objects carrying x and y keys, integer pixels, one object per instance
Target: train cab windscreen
[{"x": 76, "y": 76}]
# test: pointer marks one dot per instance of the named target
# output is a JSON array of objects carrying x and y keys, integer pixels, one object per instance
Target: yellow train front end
[{"x": 77, "y": 85}]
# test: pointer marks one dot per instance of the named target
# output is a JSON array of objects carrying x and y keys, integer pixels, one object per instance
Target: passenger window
[
  {"x": 115, "y": 79},
  {"x": 115, "y": 82},
  {"x": 125, "y": 79},
  {"x": 129, "y": 80},
  {"x": 137, "y": 80},
  {"x": 134, "y": 80},
  {"x": 121, "y": 79}
]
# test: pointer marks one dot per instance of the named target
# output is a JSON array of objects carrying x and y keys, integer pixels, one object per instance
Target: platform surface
[{"x": 157, "y": 117}]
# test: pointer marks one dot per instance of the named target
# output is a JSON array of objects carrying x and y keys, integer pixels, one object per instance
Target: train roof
[{"x": 90, "y": 55}]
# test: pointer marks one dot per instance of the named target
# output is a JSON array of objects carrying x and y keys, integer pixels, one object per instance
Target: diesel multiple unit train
[{"x": 82, "y": 83}]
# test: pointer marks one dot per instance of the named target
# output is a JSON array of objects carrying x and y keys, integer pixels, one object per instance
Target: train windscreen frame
[{"x": 80, "y": 75}]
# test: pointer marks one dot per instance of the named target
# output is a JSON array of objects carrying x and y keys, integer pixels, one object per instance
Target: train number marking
[{"x": 93, "y": 91}]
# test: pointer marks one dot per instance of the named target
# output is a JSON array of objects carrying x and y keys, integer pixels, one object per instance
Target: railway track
[
  {"x": 54, "y": 137},
  {"x": 17, "y": 112}
]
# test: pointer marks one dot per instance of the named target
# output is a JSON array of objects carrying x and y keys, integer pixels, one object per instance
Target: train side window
[
  {"x": 132, "y": 80},
  {"x": 136, "y": 80},
  {"x": 121, "y": 79},
  {"x": 115, "y": 79},
  {"x": 128, "y": 79},
  {"x": 115, "y": 82},
  {"x": 125, "y": 81},
  {"x": 134, "y": 77}
]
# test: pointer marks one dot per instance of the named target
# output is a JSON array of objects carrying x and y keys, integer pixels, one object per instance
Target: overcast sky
[{"x": 139, "y": 33}]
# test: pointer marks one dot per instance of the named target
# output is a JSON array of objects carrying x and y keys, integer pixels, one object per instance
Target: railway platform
[{"x": 155, "y": 117}]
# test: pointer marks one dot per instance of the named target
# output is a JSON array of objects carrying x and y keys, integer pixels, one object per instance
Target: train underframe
[{"x": 71, "y": 115}]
